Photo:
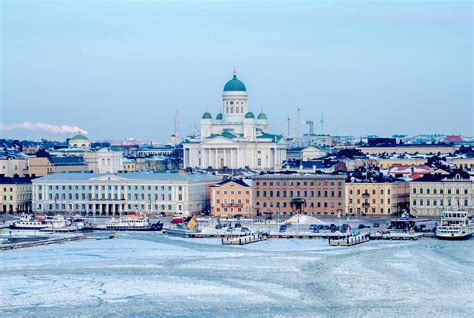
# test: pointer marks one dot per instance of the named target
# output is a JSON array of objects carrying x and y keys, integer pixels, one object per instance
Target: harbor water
[{"x": 148, "y": 274}]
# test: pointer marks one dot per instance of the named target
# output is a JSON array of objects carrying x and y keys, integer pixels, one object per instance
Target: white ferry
[
  {"x": 28, "y": 222},
  {"x": 132, "y": 223},
  {"x": 454, "y": 225}
]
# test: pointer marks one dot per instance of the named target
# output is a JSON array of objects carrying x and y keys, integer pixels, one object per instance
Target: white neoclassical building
[
  {"x": 106, "y": 194},
  {"x": 236, "y": 138}
]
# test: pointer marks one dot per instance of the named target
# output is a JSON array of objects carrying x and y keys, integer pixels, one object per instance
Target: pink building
[{"x": 231, "y": 197}]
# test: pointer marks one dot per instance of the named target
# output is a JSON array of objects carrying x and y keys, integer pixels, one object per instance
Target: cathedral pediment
[{"x": 219, "y": 140}]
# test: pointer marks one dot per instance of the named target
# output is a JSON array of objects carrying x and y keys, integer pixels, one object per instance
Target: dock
[
  {"x": 243, "y": 240},
  {"x": 350, "y": 240},
  {"x": 39, "y": 242},
  {"x": 396, "y": 236}
]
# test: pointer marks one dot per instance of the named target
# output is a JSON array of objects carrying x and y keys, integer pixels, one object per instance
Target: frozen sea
[{"x": 141, "y": 275}]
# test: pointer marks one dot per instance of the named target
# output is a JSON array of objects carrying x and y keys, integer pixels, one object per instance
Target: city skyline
[{"x": 122, "y": 71}]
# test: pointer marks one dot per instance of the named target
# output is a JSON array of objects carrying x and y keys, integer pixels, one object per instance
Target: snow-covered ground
[{"x": 149, "y": 274}]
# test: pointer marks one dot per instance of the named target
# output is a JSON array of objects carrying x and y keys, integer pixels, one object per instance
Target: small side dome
[
  {"x": 206, "y": 115},
  {"x": 249, "y": 115},
  {"x": 262, "y": 116},
  {"x": 219, "y": 116}
]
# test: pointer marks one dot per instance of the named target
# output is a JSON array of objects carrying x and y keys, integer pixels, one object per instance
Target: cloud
[{"x": 54, "y": 129}]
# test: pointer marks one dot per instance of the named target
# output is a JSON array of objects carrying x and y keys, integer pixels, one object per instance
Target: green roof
[
  {"x": 206, "y": 115},
  {"x": 79, "y": 137},
  {"x": 224, "y": 134},
  {"x": 249, "y": 115},
  {"x": 234, "y": 85},
  {"x": 262, "y": 116},
  {"x": 219, "y": 116},
  {"x": 275, "y": 138}
]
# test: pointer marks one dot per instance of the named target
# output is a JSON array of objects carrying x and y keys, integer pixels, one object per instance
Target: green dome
[
  {"x": 234, "y": 85},
  {"x": 206, "y": 115},
  {"x": 249, "y": 115},
  {"x": 79, "y": 137},
  {"x": 219, "y": 116},
  {"x": 262, "y": 116}
]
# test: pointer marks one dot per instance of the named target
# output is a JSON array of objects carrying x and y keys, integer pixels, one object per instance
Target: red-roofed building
[
  {"x": 453, "y": 138},
  {"x": 411, "y": 172}
]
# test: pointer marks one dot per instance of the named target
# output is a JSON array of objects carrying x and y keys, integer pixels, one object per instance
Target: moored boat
[
  {"x": 131, "y": 223},
  {"x": 454, "y": 225},
  {"x": 28, "y": 222}
]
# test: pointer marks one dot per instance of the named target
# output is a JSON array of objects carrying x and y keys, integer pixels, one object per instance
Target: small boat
[
  {"x": 28, "y": 222},
  {"x": 455, "y": 225}
]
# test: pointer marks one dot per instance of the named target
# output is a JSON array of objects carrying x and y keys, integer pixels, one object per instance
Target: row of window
[
  {"x": 374, "y": 192},
  {"x": 435, "y": 202},
  {"x": 374, "y": 201},
  {"x": 90, "y": 207},
  {"x": 232, "y": 192},
  {"x": 19, "y": 197},
  {"x": 297, "y": 183},
  {"x": 435, "y": 191},
  {"x": 373, "y": 210},
  {"x": 83, "y": 196},
  {"x": 311, "y": 205},
  {"x": 297, "y": 193},
  {"x": 180, "y": 188}
]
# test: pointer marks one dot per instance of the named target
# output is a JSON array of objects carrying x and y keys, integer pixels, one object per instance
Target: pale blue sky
[{"x": 121, "y": 69}]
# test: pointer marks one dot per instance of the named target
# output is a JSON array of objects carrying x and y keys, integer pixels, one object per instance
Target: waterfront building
[
  {"x": 298, "y": 193},
  {"x": 103, "y": 194},
  {"x": 434, "y": 193},
  {"x": 377, "y": 196},
  {"x": 236, "y": 138},
  {"x": 15, "y": 194},
  {"x": 232, "y": 197}
]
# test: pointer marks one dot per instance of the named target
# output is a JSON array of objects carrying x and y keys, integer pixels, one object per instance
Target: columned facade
[{"x": 235, "y": 138}]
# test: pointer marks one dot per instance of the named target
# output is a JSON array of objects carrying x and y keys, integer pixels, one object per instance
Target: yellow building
[
  {"x": 15, "y": 195},
  {"x": 129, "y": 165},
  {"x": 432, "y": 194},
  {"x": 376, "y": 198}
]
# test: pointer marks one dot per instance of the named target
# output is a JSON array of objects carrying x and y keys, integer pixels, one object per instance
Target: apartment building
[
  {"x": 381, "y": 196},
  {"x": 299, "y": 193},
  {"x": 434, "y": 193},
  {"x": 15, "y": 194},
  {"x": 232, "y": 197}
]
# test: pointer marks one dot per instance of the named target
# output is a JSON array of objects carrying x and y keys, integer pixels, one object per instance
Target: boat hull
[
  {"x": 19, "y": 227},
  {"x": 455, "y": 237},
  {"x": 151, "y": 228}
]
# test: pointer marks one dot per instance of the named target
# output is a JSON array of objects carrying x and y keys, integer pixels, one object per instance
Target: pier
[
  {"x": 243, "y": 240},
  {"x": 39, "y": 242},
  {"x": 350, "y": 240}
]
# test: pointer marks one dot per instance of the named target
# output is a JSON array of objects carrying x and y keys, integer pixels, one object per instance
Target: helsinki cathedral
[{"x": 235, "y": 138}]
